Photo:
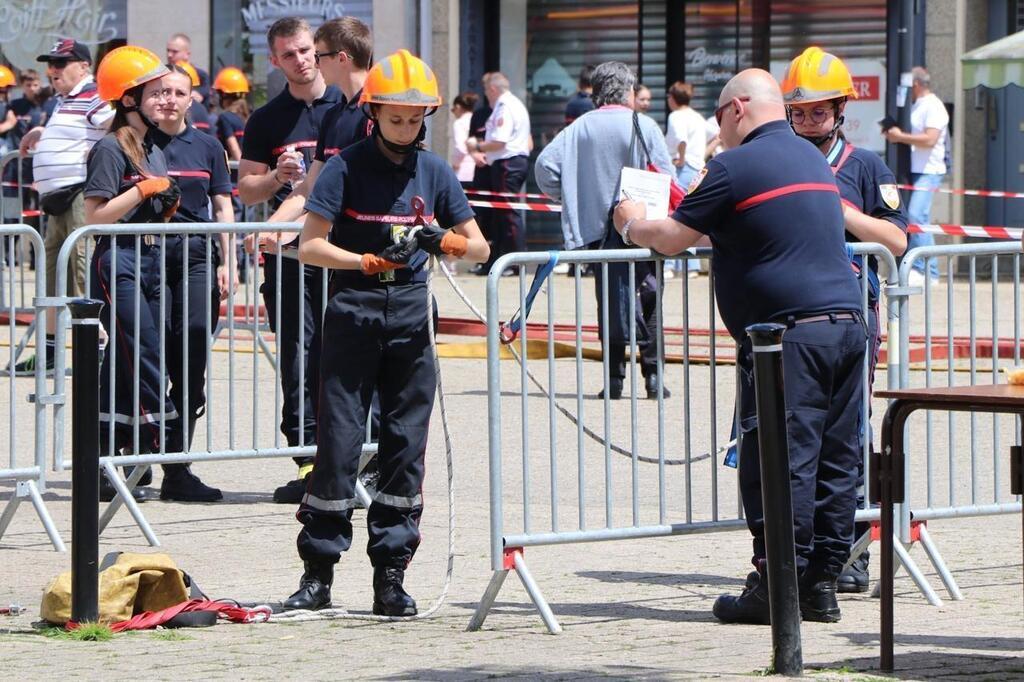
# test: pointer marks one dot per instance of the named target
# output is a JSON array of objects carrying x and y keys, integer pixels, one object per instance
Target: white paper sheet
[{"x": 646, "y": 187}]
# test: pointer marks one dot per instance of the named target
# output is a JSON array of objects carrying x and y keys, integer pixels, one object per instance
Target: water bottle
[{"x": 302, "y": 163}]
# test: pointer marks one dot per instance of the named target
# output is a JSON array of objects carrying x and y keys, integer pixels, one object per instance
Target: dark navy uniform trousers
[
  {"x": 196, "y": 316},
  {"x": 299, "y": 309},
  {"x": 374, "y": 337},
  {"x": 823, "y": 367}
]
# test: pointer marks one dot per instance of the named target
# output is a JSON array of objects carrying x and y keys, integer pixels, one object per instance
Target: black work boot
[
  {"x": 855, "y": 577},
  {"x": 614, "y": 389},
  {"x": 389, "y": 597},
  {"x": 181, "y": 485},
  {"x": 314, "y": 591},
  {"x": 651, "y": 382},
  {"x": 818, "y": 597},
  {"x": 750, "y": 607}
]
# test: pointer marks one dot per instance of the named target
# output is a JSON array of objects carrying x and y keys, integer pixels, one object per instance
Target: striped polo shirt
[{"x": 78, "y": 122}]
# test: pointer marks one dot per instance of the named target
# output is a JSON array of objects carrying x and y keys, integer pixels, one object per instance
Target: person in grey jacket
[{"x": 581, "y": 167}]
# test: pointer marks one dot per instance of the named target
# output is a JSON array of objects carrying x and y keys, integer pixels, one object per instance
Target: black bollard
[
  {"x": 783, "y": 587},
  {"x": 85, "y": 471}
]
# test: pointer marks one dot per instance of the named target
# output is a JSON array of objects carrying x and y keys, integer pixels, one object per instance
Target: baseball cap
[{"x": 67, "y": 49}]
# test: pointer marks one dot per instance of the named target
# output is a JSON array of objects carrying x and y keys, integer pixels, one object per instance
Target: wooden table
[{"x": 887, "y": 476}]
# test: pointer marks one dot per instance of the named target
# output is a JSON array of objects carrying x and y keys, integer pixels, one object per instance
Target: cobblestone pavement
[{"x": 629, "y": 609}]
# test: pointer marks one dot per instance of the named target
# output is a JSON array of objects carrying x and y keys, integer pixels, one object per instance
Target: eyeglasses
[
  {"x": 319, "y": 55},
  {"x": 720, "y": 111},
  {"x": 817, "y": 115}
]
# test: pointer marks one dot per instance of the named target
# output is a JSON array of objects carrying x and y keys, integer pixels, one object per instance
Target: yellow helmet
[
  {"x": 193, "y": 75},
  {"x": 816, "y": 76},
  {"x": 402, "y": 79},
  {"x": 7, "y": 79}
]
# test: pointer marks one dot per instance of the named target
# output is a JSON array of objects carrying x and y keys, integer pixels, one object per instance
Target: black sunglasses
[
  {"x": 720, "y": 111},
  {"x": 318, "y": 55},
  {"x": 58, "y": 63}
]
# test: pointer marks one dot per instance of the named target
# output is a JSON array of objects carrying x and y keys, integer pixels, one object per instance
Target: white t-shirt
[
  {"x": 508, "y": 123},
  {"x": 464, "y": 164},
  {"x": 79, "y": 121},
  {"x": 929, "y": 112},
  {"x": 686, "y": 125}
]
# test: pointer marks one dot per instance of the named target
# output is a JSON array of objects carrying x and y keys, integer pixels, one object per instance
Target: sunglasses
[
  {"x": 58, "y": 63},
  {"x": 720, "y": 111},
  {"x": 817, "y": 115},
  {"x": 319, "y": 55}
]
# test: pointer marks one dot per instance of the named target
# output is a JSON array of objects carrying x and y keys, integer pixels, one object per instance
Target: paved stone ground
[{"x": 630, "y": 609}]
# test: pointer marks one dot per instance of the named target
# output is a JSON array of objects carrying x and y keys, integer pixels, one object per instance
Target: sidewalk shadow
[
  {"x": 600, "y": 612},
  {"x": 977, "y": 643},
  {"x": 927, "y": 665},
  {"x": 534, "y": 672},
  {"x": 647, "y": 578}
]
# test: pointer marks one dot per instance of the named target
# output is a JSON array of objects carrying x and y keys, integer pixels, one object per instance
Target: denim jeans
[
  {"x": 919, "y": 211},
  {"x": 684, "y": 176}
]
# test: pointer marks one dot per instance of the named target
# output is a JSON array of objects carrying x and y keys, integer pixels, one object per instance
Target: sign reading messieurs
[{"x": 260, "y": 11}]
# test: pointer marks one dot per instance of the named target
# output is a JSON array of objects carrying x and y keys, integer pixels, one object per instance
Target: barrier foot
[
  {"x": 859, "y": 547},
  {"x": 940, "y": 566},
  {"x": 125, "y": 495},
  {"x": 363, "y": 494},
  {"x": 116, "y": 503},
  {"x": 904, "y": 559},
  {"x": 533, "y": 590},
  {"x": 265, "y": 348},
  {"x": 44, "y": 516},
  {"x": 23, "y": 343},
  {"x": 30, "y": 490},
  {"x": 487, "y": 601}
]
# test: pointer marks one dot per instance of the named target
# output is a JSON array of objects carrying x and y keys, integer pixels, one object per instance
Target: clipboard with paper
[{"x": 648, "y": 188}]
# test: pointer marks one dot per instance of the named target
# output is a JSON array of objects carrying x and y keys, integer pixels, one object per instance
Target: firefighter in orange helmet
[
  {"x": 816, "y": 89},
  {"x": 377, "y": 211}
]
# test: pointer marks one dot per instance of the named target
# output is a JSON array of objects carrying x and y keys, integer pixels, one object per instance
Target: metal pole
[
  {"x": 783, "y": 592},
  {"x": 85, "y": 472}
]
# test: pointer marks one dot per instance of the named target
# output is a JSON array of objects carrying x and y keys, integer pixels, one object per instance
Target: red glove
[
  {"x": 152, "y": 186},
  {"x": 372, "y": 265}
]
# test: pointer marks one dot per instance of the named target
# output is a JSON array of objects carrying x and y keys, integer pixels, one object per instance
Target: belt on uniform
[{"x": 792, "y": 321}]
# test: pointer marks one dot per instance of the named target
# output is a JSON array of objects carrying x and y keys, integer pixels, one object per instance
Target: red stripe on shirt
[
  {"x": 189, "y": 173},
  {"x": 783, "y": 191},
  {"x": 298, "y": 144},
  {"x": 378, "y": 218}
]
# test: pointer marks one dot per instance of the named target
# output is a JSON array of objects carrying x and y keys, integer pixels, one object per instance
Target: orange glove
[
  {"x": 372, "y": 265},
  {"x": 454, "y": 244},
  {"x": 151, "y": 186}
]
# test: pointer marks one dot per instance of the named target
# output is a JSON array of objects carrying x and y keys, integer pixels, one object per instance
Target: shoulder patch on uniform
[
  {"x": 890, "y": 195},
  {"x": 697, "y": 179}
]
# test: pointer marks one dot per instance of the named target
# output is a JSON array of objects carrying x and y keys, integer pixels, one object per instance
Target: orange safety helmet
[
  {"x": 191, "y": 71},
  {"x": 7, "y": 79},
  {"x": 125, "y": 68},
  {"x": 401, "y": 79},
  {"x": 231, "y": 81},
  {"x": 816, "y": 76}
]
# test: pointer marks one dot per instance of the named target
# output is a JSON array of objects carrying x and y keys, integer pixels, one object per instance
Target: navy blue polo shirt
[
  {"x": 199, "y": 165},
  {"x": 344, "y": 124},
  {"x": 110, "y": 173},
  {"x": 229, "y": 124},
  {"x": 367, "y": 197},
  {"x": 867, "y": 185},
  {"x": 771, "y": 208},
  {"x": 285, "y": 121},
  {"x": 580, "y": 104}
]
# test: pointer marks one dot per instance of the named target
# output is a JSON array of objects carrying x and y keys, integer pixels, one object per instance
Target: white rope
[
  {"x": 564, "y": 410},
  {"x": 342, "y": 614}
]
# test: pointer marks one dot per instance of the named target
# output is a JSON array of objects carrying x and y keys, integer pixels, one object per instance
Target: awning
[{"x": 997, "y": 64}]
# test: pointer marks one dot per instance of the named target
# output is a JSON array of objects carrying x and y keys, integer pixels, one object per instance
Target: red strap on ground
[{"x": 148, "y": 620}]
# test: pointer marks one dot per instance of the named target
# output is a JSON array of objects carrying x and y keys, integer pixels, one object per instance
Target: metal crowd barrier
[
  {"x": 956, "y": 476},
  {"x": 16, "y": 278},
  {"x": 217, "y": 420},
  {"x": 29, "y": 481},
  {"x": 591, "y": 477}
]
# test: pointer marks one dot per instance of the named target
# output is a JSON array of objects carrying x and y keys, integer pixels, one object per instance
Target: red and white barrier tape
[
  {"x": 516, "y": 206},
  {"x": 968, "y": 192},
  {"x": 512, "y": 195},
  {"x": 983, "y": 231}
]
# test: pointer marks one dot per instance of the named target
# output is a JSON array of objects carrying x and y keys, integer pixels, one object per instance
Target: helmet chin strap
[
  {"x": 401, "y": 148},
  {"x": 818, "y": 140},
  {"x": 136, "y": 94}
]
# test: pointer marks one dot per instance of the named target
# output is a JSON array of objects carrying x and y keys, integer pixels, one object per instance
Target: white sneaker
[
  {"x": 693, "y": 274},
  {"x": 916, "y": 278},
  {"x": 669, "y": 274},
  {"x": 560, "y": 269}
]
